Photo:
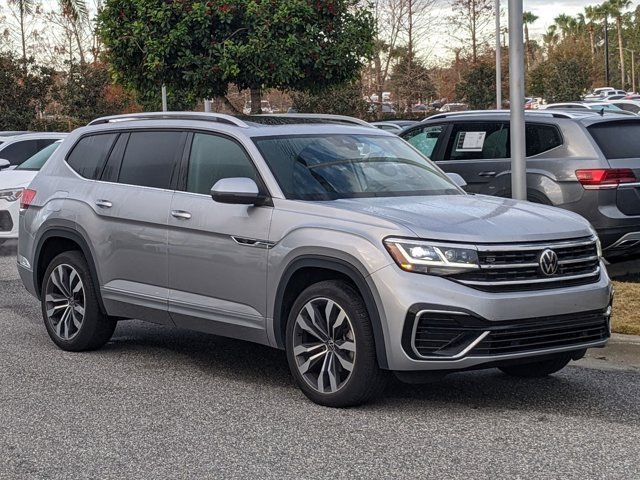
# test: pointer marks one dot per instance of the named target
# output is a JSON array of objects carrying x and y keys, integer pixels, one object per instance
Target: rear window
[{"x": 617, "y": 139}]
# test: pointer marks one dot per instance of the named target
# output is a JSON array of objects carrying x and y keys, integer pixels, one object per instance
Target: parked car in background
[
  {"x": 596, "y": 106},
  {"x": 632, "y": 106},
  {"x": 602, "y": 93},
  {"x": 12, "y": 184},
  {"x": 265, "y": 106},
  {"x": 421, "y": 108},
  {"x": 394, "y": 126},
  {"x": 454, "y": 107},
  {"x": 16, "y": 149},
  {"x": 579, "y": 161},
  {"x": 11, "y": 133},
  {"x": 634, "y": 96},
  {"x": 336, "y": 242},
  {"x": 531, "y": 103}
]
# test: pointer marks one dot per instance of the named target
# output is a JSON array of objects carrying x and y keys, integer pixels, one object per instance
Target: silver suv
[
  {"x": 580, "y": 161},
  {"x": 330, "y": 239}
]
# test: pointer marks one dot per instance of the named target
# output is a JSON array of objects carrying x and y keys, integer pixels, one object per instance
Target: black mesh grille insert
[{"x": 6, "y": 224}]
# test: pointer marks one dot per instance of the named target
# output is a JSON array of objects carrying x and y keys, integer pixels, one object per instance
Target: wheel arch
[
  {"x": 342, "y": 268},
  {"x": 63, "y": 237}
]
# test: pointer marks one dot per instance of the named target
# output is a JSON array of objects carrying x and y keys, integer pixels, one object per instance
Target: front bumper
[
  {"x": 9, "y": 214},
  {"x": 400, "y": 292}
]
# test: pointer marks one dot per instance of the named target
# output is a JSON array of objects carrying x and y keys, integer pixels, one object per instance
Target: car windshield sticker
[{"x": 470, "y": 141}]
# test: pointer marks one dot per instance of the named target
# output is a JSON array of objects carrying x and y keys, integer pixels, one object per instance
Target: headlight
[
  {"x": 11, "y": 195},
  {"x": 432, "y": 257}
]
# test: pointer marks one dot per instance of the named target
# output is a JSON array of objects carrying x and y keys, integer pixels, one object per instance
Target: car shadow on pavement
[
  {"x": 8, "y": 248},
  {"x": 574, "y": 391}
]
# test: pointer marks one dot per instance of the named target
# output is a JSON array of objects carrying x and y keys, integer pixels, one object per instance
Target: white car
[
  {"x": 18, "y": 148},
  {"x": 632, "y": 106},
  {"x": 596, "y": 106},
  {"x": 12, "y": 183}
]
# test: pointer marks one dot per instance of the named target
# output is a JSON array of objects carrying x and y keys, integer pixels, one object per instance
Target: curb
[{"x": 619, "y": 338}]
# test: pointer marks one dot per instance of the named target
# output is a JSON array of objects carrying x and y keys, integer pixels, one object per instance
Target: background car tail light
[
  {"x": 27, "y": 198},
  {"x": 598, "y": 178}
]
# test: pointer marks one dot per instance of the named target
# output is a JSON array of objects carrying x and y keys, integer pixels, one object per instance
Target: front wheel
[
  {"x": 538, "y": 369},
  {"x": 70, "y": 305},
  {"x": 330, "y": 346}
]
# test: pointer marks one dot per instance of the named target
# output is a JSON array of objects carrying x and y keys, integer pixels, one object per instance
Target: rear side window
[
  {"x": 88, "y": 156},
  {"x": 478, "y": 141},
  {"x": 214, "y": 158},
  {"x": 150, "y": 158},
  {"x": 426, "y": 138},
  {"x": 629, "y": 107},
  {"x": 617, "y": 139},
  {"x": 541, "y": 138},
  {"x": 18, "y": 152}
]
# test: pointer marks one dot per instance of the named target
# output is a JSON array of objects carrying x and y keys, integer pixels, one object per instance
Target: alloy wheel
[
  {"x": 324, "y": 345},
  {"x": 65, "y": 301}
]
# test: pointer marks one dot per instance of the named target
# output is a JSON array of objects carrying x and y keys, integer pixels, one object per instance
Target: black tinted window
[
  {"x": 617, "y": 139},
  {"x": 213, "y": 158},
  {"x": 150, "y": 158},
  {"x": 18, "y": 152},
  {"x": 88, "y": 156},
  {"x": 541, "y": 138},
  {"x": 477, "y": 141}
]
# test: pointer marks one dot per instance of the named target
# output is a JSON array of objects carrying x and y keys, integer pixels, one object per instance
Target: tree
[
  {"x": 550, "y": 38},
  {"x": 616, "y": 9},
  {"x": 528, "y": 18},
  {"x": 75, "y": 11},
  {"x": 200, "y": 47},
  {"x": 470, "y": 19},
  {"x": 591, "y": 15},
  {"x": 478, "y": 86},
  {"x": 411, "y": 81},
  {"x": 563, "y": 22},
  {"x": 345, "y": 99},
  {"x": 25, "y": 8}
]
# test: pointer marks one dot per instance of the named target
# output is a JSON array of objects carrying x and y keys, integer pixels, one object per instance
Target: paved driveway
[{"x": 162, "y": 403}]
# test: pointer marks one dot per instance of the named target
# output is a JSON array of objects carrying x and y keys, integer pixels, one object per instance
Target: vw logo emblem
[{"x": 548, "y": 262}]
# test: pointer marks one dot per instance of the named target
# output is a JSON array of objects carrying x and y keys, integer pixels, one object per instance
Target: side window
[
  {"x": 478, "y": 141},
  {"x": 88, "y": 156},
  {"x": 426, "y": 138},
  {"x": 629, "y": 107},
  {"x": 18, "y": 152},
  {"x": 213, "y": 158},
  {"x": 541, "y": 138},
  {"x": 150, "y": 158}
]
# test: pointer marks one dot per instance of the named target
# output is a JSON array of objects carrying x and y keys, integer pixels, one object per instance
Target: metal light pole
[
  {"x": 207, "y": 106},
  {"x": 164, "y": 98},
  {"x": 516, "y": 87},
  {"x": 606, "y": 50},
  {"x": 633, "y": 69},
  {"x": 498, "y": 59}
]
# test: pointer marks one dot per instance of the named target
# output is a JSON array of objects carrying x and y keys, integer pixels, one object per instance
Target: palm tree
[
  {"x": 25, "y": 8},
  {"x": 591, "y": 14},
  {"x": 616, "y": 9},
  {"x": 563, "y": 22},
  {"x": 75, "y": 11},
  {"x": 550, "y": 38},
  {"x": 528, "y": 18}
]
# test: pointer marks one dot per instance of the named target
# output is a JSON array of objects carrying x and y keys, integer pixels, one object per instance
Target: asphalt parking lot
[{"x": 163, "y": 403}]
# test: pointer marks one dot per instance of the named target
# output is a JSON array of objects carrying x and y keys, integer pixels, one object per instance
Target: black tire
[
  {"x": 366, "y": 379},
  {"x": 538, "y": 369},
  {"x": 96, "y": 328}
]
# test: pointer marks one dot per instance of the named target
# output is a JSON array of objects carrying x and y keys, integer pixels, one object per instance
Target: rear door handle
[
  {"x": 180, "y": 214},
  {"x": 487, "y": 174},
  {"x": 104, "y": 203}
]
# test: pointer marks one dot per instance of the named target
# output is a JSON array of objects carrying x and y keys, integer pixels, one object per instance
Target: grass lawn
[{"x": 626, "y": 306}]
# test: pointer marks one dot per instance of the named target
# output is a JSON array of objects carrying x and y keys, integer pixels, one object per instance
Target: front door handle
[
  {"x": 487, "y": 174},
  {"x": 104, "y": 203},
  {"x": 180, "y": 214}
]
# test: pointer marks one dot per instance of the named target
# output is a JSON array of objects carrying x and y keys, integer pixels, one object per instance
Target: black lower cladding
[
  {"x": 6, "y": 224},
  {"x": 447, "y": 334}
]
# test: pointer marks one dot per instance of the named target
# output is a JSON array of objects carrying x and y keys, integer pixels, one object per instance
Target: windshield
[
  {"x": 330, "y": 167},
  {"x": 37, "y": 161}
]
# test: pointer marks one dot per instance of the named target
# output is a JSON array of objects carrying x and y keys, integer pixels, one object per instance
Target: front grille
[
  {"x": 507, "y": 268},
  {"x": 6, "y": 224},
  {"x": 445, "y": 335}
]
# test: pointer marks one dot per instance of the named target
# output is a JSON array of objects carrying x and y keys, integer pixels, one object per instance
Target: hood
[
  {"x": 473, "y": 218},
  {"x": 16, "y": 178}
]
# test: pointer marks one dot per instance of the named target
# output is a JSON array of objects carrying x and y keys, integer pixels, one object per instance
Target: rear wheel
[
  {"x": 538, "y": 369},
  {"x": 330, "y": 346},
  {"x": 70, "y": 305}
]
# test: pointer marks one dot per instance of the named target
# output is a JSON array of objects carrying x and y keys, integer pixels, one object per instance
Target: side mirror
[
  {"x": 457, "y": 179},
  {"x": 4, "y": 163},
  {"x": 238, "y": 191}
]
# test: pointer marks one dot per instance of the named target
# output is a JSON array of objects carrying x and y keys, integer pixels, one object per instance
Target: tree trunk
[
  {"x": 230, "y": 105},
  {"x": 76, "y": 34},
  {"x": 23, "y": 38},
  {"x": 474, "y": 32},
  {"x": 621, "y": 48},
  {"x": 527, "y": 46},
  {"x": 256, "y": 101},
  {"x": 592, "y": 39}
]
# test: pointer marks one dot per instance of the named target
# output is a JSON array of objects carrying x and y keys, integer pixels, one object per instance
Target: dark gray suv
[{"x": 580, "y": 161}]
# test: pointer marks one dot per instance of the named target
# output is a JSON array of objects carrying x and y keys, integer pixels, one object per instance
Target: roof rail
[
  {"x": 201, "y": 116},
  {"x": 554, "y": 113},
  {"x": 323, "y": 116}
]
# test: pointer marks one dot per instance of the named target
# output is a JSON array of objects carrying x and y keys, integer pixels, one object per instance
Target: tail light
[
  {"x": 600, "y": 178},
  {"x": 27, "y": 198}
]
